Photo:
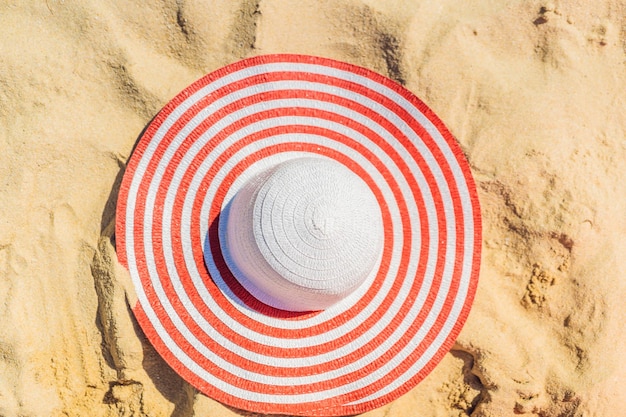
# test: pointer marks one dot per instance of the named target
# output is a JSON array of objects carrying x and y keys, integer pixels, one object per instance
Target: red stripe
[
  {"x": 219, "y": 297},
  {"x": 197, "y": 133},
  {"x": 213, "y": 143},
  {"x": 334, "y": 404},
  {"x": 293, "y": 389},
  {"x": 158, "y": 204},
  {"x": 352, "y": 335},
  {"x": 216, "y": 203},
  {"x": 217, "y": 166}
]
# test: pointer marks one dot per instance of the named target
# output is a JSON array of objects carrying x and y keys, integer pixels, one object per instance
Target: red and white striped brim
[{"x": 223, "y": 130}]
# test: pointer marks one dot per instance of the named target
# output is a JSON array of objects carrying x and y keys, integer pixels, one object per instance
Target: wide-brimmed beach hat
[{"x": 303, "y": 236}]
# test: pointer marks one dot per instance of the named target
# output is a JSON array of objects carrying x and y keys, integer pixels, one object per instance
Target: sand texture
[{"x": 533, "y": 91}]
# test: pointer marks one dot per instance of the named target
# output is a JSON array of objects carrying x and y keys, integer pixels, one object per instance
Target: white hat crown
[{"x": 304, "y": 234}]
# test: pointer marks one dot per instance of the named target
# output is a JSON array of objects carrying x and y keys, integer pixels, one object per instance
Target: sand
[{"x": 533, "y": 91}]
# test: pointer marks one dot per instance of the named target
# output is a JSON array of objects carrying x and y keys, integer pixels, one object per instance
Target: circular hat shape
[
  {"x": 304, "y": 234},
  {"x": 217, "y": 150}
]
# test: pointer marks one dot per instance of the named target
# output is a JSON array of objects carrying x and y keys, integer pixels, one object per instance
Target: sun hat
[{"x": 303, "y": 236}]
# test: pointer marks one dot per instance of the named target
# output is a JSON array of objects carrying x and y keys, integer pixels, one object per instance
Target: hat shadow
[{"x": 224, "y": 272}]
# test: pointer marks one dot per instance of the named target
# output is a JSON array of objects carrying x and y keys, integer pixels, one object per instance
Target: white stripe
[
  {"x": 328, "y": 314},
  {"x": 276, "y": 341},
  {"x": 201, "y": 142},
  {"x": 213, "y": 188},
  {"x": 334, "y": 126},
  {"x": 457, "y": 173},
  {"x": 192, "y": 191},
  {"x": 191, "y": 338}
]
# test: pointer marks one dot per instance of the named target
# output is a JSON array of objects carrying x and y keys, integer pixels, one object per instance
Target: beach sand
[{"x": 533, "y": 91}]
